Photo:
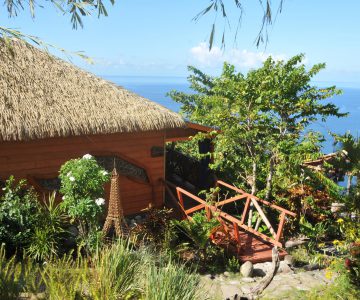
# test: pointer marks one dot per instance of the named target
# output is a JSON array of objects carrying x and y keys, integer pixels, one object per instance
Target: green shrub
[
  {"x": 233, "y": 265},
  {"x": 19, "y": 214},
  {"x": 82, "y": 186}
]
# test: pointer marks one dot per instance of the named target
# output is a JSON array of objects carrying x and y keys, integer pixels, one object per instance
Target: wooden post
[
  {"x": 245, "y": 210},
  {"x": 208, "y": 212},
  {"x": 281, "y": 226},
  {"x": 236, "y": 232}
]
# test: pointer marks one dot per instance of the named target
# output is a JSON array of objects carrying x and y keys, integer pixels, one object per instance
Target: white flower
[
  {"x": 100, "y": 201},
  {"x": 104, "y": 173},
  {"x": 3, "y": 189},
  {"x": 87, "y": 156},
  {"x": 72, "y": 178},
  {"x": 68, "y": 174},
  {"x": 64, "y": 197}
]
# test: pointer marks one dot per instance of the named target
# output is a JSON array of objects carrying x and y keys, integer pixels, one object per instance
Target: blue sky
[{"x": 159, "y": 38}]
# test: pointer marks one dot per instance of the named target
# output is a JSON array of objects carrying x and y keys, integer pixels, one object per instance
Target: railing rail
[{"x": 213, "y": 210}]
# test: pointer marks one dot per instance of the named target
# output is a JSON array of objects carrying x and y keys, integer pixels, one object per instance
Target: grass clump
[{"x": 171, "y": 281}]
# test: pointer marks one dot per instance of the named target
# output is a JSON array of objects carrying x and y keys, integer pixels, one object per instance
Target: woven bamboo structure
[
  {"x": 115, "y": 216},
  {"x": 42, "y": 96}
]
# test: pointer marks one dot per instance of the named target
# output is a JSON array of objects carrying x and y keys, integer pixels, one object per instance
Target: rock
[
  {"x": 311, "y": 267},
  {"x": 289, "y": 260},
  {"x": 259, "y": 272},
  {"x": 261, "y": 269},
  {"x": 247, "y": 269},
  {"x": 226, "y": 274},
  {"x": 291, "y": 244},
  {"x": 285, "y": 268}
]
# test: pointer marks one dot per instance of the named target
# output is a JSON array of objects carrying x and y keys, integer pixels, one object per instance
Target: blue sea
[{"x": 156, "y": 88}]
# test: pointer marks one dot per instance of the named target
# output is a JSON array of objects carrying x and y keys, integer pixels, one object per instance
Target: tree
[{"x": 263, "y": 117}]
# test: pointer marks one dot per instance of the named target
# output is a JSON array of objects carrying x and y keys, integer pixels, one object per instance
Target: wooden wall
[{"x": 43, "y": 158}]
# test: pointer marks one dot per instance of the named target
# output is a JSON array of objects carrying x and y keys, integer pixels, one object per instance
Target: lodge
[{"x": 52, "y": 111}]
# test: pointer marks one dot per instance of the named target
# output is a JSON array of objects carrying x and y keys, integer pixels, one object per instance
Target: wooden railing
[{"x": 213, "y": 210}]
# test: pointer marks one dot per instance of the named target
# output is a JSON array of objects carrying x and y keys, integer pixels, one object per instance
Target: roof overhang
[{"x": 186, "y": 133}]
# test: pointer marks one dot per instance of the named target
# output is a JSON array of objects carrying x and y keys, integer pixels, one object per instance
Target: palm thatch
[{"x": 42, "y": 96}]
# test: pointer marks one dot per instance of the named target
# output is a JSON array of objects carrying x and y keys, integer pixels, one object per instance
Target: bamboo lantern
[{"x": 115, "y": 216}]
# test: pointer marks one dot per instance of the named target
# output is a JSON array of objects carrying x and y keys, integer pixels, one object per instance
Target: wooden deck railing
[{"x": 228, "y": 221}]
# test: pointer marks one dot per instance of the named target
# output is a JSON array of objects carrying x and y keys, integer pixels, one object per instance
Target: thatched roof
[{"x": 42, "y": 96}]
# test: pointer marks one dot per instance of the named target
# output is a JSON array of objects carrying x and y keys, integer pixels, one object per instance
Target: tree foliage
[{"x": 264, "y": 118}]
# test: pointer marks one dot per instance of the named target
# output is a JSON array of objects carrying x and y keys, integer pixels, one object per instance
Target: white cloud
[
  {"x": 201, "y": 55},
  {"x": 205, "y": 57}
]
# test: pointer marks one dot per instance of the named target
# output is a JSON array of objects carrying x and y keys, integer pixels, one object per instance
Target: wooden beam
[
  {"x": 232, "y": 199},
  {"x": 246, "y": 208},
  {"x": 180, "y": 197},
  {"x": 263, "y": 217},
  {"x": 195, "y": 208}
]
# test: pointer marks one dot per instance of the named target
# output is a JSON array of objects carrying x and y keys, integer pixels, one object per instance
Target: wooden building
[{"x": 51, "y": 111}]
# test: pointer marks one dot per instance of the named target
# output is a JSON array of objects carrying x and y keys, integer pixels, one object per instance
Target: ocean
[{"x": 156, "y": 88}]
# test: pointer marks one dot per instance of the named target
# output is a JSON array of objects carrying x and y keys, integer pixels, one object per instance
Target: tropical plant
[
  {"x": 154, "y": 227},
  {"x": 82, "y": 187},
  {"x": 19, "y": 214},
  {"x": 49, "y": 232},
  {"x": 198, "y": 230}
]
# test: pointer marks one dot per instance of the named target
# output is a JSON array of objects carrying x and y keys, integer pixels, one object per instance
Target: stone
[
  {"x": 261, "y": 269},
  {"x": 289, "y": 260},
  {"x": 247, "y": 269},
  {"x": 285, "y": 268},
  {"x": 226, "y": 274},
  {"x": 311, "y": 267}
]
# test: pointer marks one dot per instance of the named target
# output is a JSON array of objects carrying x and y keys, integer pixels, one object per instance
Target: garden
[{"x": 53, "y": 246}]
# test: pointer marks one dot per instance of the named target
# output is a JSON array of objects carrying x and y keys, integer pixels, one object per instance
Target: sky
[{"x": 159, "y": 37}]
